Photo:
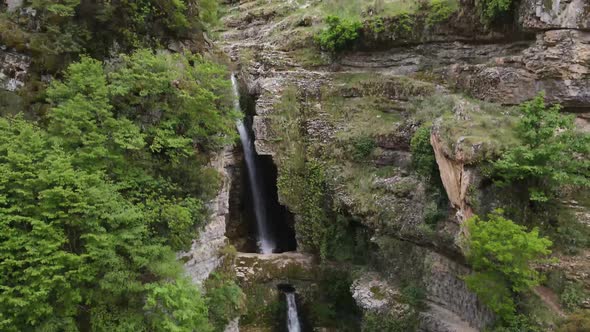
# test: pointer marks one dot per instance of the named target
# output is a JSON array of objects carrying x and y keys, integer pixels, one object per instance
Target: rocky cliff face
[
  {"x": 13, "y": 69},
  {"x": 204, "y": 257},
  {"x": 392, "y": 81}
]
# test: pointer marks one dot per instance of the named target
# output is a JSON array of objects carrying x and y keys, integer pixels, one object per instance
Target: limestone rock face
[
  {"x": 203, "y": 256},
  {"x": 13, "y": 5},
  {"x": 456, "y": 178},
  {"x": 233, "y": 326},
  {"x": 374, "y": 294},
  {"x": 447, "y": 293},
  {"x": 13, "y": 70},
  {"x": 555, "y": 14},
  {"x": 558, "y": 63},
  {"x": 262, "y": 268}
]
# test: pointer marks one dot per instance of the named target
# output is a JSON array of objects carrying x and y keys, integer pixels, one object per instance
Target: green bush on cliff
[
  {"x": 573, "y": 295},
  {"x": 441, "y": 10},
  {"x": 339, "y": 35},
  {"x": 225, "y": 300},
  {"x": 492, "y": 9},
  {"x": 305, "y": 190},
  {"x": 422, "y": 153},
  {"x": 363, "y": 148},
  {"x": 501, "y": 254},
  {"x": 552, "y": 154}
]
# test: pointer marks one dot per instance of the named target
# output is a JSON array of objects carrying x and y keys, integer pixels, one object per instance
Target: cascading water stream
[
  {"x": 292, "y": 315},
  {"x": 265, "y": 243}
]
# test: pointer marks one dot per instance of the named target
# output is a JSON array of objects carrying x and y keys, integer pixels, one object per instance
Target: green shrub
[
  {"x": 414, "y": 295},
  {"x": 225, "y": 300},
  {"x": 573, "y": 295},
  {"x": 568, "y": 234},
  {"x": 492, "y": 9},
  {"x": 305, "y": 191},
  {"x": 441, "y": 10},
  {"x": 373, "y": 322},
  {"x": 520, "y": 323},
  {"x": 501, "y": 254},
  {"x": 339, "y": 35},
  {"x": 423, "y": 158},
  {"x": 363, "y": 148},
  {"x": 67, "y": 28}
]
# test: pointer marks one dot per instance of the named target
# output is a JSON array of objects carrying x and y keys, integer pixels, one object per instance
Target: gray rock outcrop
[
  {"x": 13, "y": 69},
  {"x": 203, "y": 256}
]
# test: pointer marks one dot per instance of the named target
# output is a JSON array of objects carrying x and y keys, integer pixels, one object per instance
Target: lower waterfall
[{"x": 292, "y": 315}]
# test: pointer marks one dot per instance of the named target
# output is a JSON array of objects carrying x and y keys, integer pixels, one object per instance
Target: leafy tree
[
  {"x": 174, "y": 220},
  {"x": 225, "y": 300},
  {"x": 552, "y": 154},
  {"x": 91, "y": 207},
  {"x": 501, "y": 254},
  {"x": 180, "y": 101},
  {"x": 171, "y": 307},
  {"x": 82, "y": 119},
  {"x": 72, "y": 247},
  {"x": 339, "y": 34}
]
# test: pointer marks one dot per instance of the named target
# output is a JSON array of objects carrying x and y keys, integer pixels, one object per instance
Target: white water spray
[
  {"x": 265, "y": 242},
  {"x": 292, "y": 316}
]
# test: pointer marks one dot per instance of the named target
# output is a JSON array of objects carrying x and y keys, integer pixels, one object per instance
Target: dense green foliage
[
  {"x": 225, "y": 300},
  {"x": 362, "y": 148},
  {"x": 94, "y": 204},
  {"x": 501, "y": 254},
  {"x": 573, "y": 295},
  {"x": 441, "y": 11},
  {"x": 339, "y": 35},
  {"x": 74, "y": 250},
  {"x": 69, "y": 27},
  {"x": 423, "y": 159},
  {"x": 492, "y": 9},
  {"x": 552, "y": 154},
  {"x": 305, "y": 189}
]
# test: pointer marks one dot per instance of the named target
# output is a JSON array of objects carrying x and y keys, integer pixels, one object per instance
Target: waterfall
[
  {"x": 265, "y": 243},
  {"x": 292, "y": 316}
]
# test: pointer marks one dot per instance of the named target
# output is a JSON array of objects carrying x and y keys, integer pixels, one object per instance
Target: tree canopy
[
  {"x": 502, "y": 255},
  {"x": 97, "y": 197},
  {"x": 552, "y": 154}
]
